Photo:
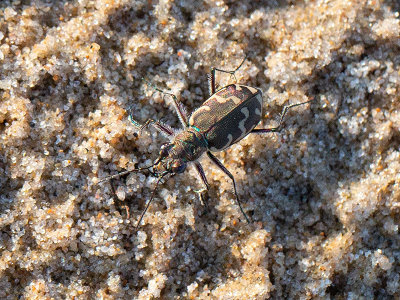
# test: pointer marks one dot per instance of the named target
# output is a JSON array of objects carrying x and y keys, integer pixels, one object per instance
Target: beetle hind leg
[
  {"x": 211, "y": 77},
  {"x": 163, "y": 128},
  {"x": 281, "y": 121},
  {"x": 226, "y": 171}
]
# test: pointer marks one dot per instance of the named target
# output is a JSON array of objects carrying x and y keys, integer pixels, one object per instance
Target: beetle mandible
[{"x": 227, "y": 116}]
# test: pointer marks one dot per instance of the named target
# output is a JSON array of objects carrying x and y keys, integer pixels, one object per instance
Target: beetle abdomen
[
  {"x": 235, "y": 127},
  {"x": 228, "y": 115}
]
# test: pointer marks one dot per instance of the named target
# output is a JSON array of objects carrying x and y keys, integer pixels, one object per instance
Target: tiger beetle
[{"x": 226, "y": 117}]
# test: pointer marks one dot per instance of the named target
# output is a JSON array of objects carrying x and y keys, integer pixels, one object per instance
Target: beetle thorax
[{"x": 188, "y": 145}]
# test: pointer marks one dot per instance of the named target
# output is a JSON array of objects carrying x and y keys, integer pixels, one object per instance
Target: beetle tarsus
[
  {"x": 149, "y": 202},
  {"x": 281, "y": 121},
  {"x": 211, "y": 76}
]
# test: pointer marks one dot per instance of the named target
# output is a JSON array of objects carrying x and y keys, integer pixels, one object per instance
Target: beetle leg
[
  {"x": 226, "y": 171},
  {"x": 163, "y": 128},
  {"x": 180, "y": 109},
  {"x": 211, "y": 77},
  {"x": 149, "y": 201},
  {"x": 283, "y": 114},
  {"x": 211, "y": 82},
  {"x": 203, "y": 177},
  {"x": 117, "y": 200}
]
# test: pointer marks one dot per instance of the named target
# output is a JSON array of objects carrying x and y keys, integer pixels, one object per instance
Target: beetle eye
[
  {"x": 164, "y": 150},
  {"x": 178, "y": 167}
]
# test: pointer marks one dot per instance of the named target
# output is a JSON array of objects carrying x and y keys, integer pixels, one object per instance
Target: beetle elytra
[{"x": 227, "y": 116}]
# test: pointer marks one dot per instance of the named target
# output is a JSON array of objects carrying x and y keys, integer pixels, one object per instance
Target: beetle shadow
[{"x": 302, "y": 199}]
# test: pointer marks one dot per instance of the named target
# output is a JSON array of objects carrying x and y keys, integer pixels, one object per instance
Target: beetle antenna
[
  {"x": 130, "y": 171},
  {"x": 121, "y": 174},
  {"x": 244, "y": 59},
  {"x": 151, "y": 199}
]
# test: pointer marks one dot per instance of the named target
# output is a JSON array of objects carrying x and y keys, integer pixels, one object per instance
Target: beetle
[{"x": 227, "y": 116}]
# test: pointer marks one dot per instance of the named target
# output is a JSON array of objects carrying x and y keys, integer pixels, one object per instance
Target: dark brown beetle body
[
  {"x": 226, "y": 117},
  {"x": 222, "y": 120}
]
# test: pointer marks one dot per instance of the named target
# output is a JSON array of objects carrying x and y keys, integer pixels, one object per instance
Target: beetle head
[{"x": 168, "y": 162}]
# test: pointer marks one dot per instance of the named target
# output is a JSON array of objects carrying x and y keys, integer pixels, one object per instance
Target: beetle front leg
[
  {"x": 226, "y": 171},
  {"x": 202, "y": 175},
  {"x": 179, "y": 108},
  {"x": 163, "y": 128},
  {"x": 203, "y": 178},
  {"x": 283, "y": 114}
]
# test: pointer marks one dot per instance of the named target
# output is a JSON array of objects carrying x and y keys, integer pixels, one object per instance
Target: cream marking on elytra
[
  {"x": 204, "y": 107},
  {"x": 222, "y": 100},
  {"x": 252, "y": 90},
  {"x": 238, "y": 87},
  {"x": 246, "y": 113},
  {"x": 260, "y": 101}
]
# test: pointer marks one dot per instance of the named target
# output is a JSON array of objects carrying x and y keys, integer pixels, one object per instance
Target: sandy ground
[{"x": 323, "y": 194}]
